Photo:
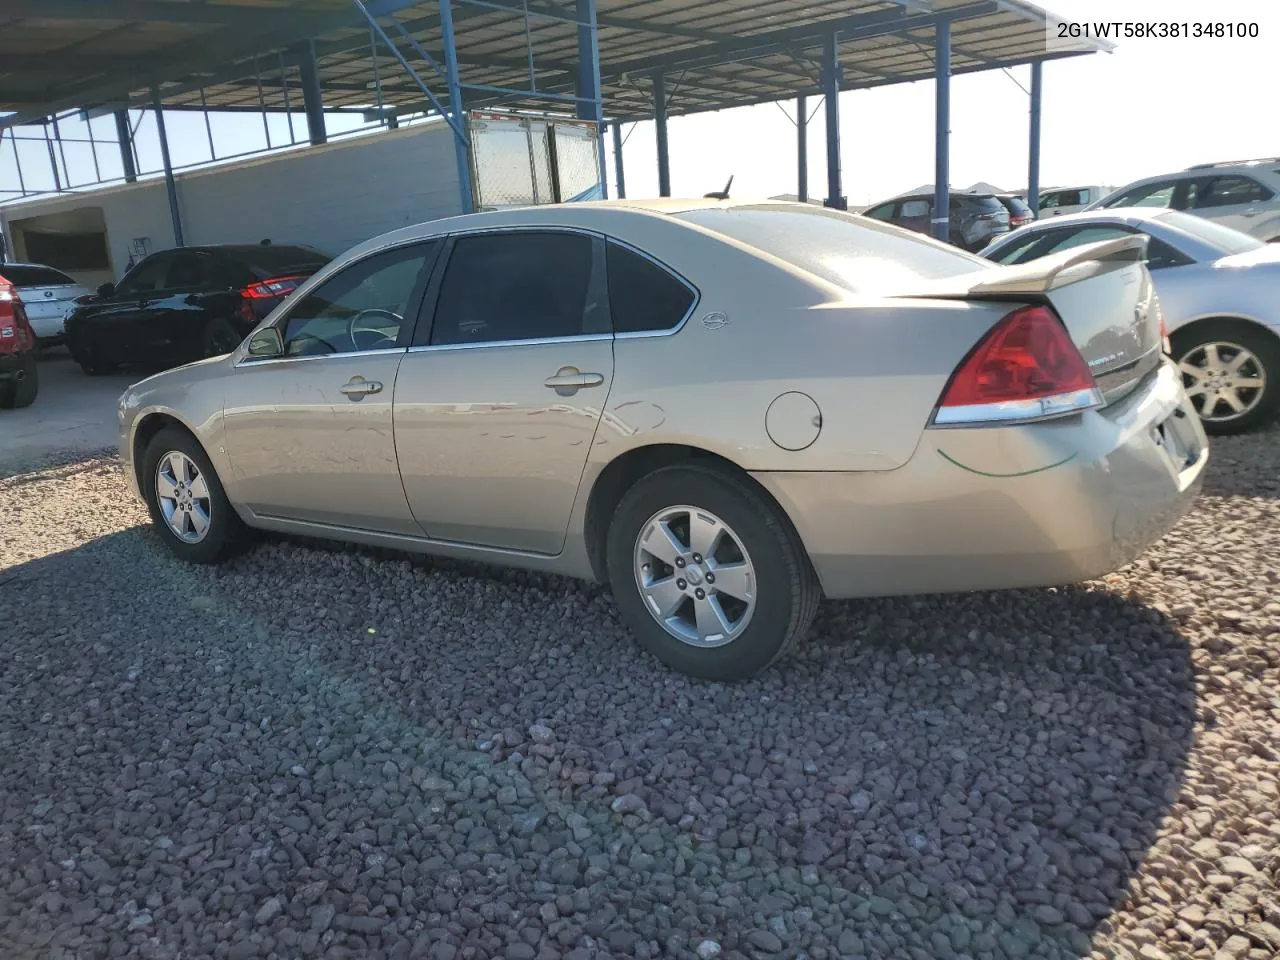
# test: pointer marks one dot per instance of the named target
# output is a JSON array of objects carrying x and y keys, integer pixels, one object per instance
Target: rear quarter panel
[{"x": 875, "y": 368}]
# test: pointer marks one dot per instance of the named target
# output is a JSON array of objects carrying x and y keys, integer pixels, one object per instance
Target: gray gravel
[{"x": 317, "y": 751}]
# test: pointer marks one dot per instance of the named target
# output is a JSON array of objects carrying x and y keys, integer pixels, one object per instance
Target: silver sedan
[
  {"x": 724, "y": 410},
  {"x": 1219, "y": 292}
]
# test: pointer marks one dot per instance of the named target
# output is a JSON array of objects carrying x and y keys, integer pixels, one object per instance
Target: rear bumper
[
  {"x": 47, "y": 328},
  {"x": 995, "y": 508}
]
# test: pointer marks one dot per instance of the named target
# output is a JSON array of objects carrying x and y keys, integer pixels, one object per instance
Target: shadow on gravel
[
  {"x": 326, "y": 752},
  {"x": 1245, "y": 466}
]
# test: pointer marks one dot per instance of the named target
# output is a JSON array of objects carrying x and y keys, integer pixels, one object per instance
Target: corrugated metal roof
[{"x": 63, "y": 54}]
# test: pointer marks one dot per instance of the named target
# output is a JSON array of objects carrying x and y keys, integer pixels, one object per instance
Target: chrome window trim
[
  {"x": 248, "y": 361},
  {"x": 531, "y": 342}
]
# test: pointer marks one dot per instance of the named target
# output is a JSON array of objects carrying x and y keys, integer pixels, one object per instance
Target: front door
[
  {"x": 115, "y": 328},
  {"x": 309, "y": 434},
  {"x": 496, "y": 407},
  {"x": 1234, "y": 201}
]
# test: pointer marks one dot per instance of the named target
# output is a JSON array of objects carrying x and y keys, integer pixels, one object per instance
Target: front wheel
[
  {"x": 708, "y": 574},
  {"x": 1231, "y": 372},
  {"x": 188, "y": 506}
]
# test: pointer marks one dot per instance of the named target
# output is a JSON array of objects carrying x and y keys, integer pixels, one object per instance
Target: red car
[{"x": 18, "y": 379}]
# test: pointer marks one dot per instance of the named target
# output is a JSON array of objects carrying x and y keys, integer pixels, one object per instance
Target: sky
[{"x": 1152, "y": 106}]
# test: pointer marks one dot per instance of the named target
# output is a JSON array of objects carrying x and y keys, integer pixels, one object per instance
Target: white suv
[
  {"x": 1244, "y": 194},
  {"x": 1060, "y": 200}
]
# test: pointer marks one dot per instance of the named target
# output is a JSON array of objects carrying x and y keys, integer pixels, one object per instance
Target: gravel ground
[{"x": 327, "y": 752}]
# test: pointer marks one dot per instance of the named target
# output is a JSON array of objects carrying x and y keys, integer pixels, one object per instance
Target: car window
[
  {"x": 30, "y": 275},
  {"x": 1047, "y": 201},
  {"x": 1016, "y": 206},
  {"x": 882, "y": 212},
  {"x": 187, "y": 271},
  {"x": 855, "y": 253},
  {"x": 362, "y": 307},
  {"x": 1220, "y": 236},
  {"x": 1225, "y": 191},
  {"x": 911, "y": 209},
  {"x": 1062, "y": 198},
  {"x": 1079, "y": 236},
  {"x": 1014, "y": 250},
  {"x": 523, "y": 285},
  {"x": 1160, "y": 255},
  {"x": 1151, "y": 195},
  {"x": 147, "y": 276},
  {"x": 643, "y": 295}
]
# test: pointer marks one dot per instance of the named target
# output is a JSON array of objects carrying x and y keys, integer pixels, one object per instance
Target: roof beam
[{"x": 153, "y": 11}]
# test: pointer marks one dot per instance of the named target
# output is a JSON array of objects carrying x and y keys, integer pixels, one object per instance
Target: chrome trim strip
[
  {"x": 531, "y": 342},
  {"x": 1018, "y": 411},
  {"x": 275, "y": 361}
]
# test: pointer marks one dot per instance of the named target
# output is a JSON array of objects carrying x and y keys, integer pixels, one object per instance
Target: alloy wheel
[
  {"x": 1225, "y": 381},
  {"x": 183, "y": 497},
  {"x": 695, "y": 576}
]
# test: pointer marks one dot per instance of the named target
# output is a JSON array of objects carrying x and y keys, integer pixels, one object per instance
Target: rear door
[
  {"x": 1232, "y": 200},
  {"x": 172, "y": 323},
  {"x": 497, "y": 404}
]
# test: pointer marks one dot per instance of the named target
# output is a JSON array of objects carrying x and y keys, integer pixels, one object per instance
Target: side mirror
[
  {"x": 107, "y": 290},
  {"x": 266, "y": 343}
]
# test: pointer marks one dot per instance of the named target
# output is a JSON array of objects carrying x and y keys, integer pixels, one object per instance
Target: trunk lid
[
  {"x": 1103, "y": 293},
  {"x": 50, "y": 301}
]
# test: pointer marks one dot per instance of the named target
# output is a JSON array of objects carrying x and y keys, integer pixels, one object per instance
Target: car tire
[
  {"x": 756, "y": 542},
  {"x": 219, "y": 338},
  {"x": 92, "y": 364},
  {"x": 185, "y": 463},
  {"x": 1227, "y": 340},
  {"x": 22, "y": 393}
]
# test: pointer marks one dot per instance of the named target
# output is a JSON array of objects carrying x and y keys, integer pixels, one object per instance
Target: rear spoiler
[{"x": 1038, "y": 277}]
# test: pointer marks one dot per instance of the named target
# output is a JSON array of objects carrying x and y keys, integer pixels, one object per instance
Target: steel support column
[
  {"x": 802, "y": 148},
  {"x": 660, "y": 125},
  {"x": 619, "y": 172},
  {"x": 312, "y": 97},
  {"x": 461, "y": 148},
  {"x": 942, "y": 133},
  {"x": 1033, "y": 152},
  {"x": 169, "y": 183},
  {"x": 589, "y": 83},
  {"x": 831, "y": 93}
]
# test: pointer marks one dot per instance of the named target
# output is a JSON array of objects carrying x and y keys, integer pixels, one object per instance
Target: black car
[
  {"x": 975, "y": 218},
  {"x": 186, "y": 304}
]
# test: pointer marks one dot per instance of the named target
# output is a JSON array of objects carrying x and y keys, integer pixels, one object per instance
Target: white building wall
[{"x": 330, "y": 197}]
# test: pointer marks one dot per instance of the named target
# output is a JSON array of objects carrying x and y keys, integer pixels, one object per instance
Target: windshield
[
  {"x": 31, "y": 275},
  {"x": 1216, "y": 235},
  {"x": 856, "y": 253}
]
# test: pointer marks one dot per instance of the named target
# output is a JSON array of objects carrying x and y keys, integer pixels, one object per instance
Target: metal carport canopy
[{"x": 656, "y": 58}]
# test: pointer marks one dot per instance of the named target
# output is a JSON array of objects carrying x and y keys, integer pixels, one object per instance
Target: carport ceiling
[{"x": 59, "y": 55}]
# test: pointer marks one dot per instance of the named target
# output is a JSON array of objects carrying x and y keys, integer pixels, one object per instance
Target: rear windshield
[
  {"x": 982, "y": 204},
  {"x": 1223, "y": 238},
  {"x": 33, "y": 276},
  {"x": 276, "y": 261},
  {"x": 1017, "y": 207},
  {"x": 856, "y": 253}
]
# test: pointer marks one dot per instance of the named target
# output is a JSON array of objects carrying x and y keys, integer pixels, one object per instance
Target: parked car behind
[
  {"x": 181, "y": 305},
  {"x": 1240, "y": 194},
  {"x": 975, "y": 217},
  {"x": 723, "y": 409},
  {"x": 1218, "y": 291},
  {"x": 19, "y": 375},
  {"x": 1057, "y": 201},
  {"x": 1019, "y": 213},
  {"x": 49, "y": 296}
]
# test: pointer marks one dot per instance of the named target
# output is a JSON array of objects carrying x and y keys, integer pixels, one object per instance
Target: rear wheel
[
  {"x": 1231, "y": 371},
  {"x": 188, "y": 506},
  {"x": 91, "y": 360},
  {"x": 21, "y": 391},
  {"x": 708, "y": 574}
]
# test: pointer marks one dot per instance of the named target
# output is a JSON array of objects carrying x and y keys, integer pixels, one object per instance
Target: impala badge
[{"x": 714, "y": 321}]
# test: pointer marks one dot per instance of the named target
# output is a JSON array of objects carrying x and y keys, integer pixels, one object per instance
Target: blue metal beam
[
  {"x": 831, "y": 91},
  {"x": 1033, "y": 153},
  {"x": 462, "y": 148},
  {"x": 802, "y": 148},
  {"x": 170, "y": 186},
  {"x": 125, "y": 137},
  {"x": 312, "y": 97},
  {"x": 660, "y": 125},
  {"x": 942, "y": 133},
  {"x": 589, "y": 84},
  {"x": 619, "y": 171}
]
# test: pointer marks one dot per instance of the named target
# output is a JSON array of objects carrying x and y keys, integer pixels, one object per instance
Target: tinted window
[
  {"x": 519, "y": 286},
  {"x": 1017, "y": 251},
  {"x": 1078, "y": 237},
  {"x": 1062, "y": 198},
  {"x": 911, "y": 209},
  {"x": 187, "y": 271},
  {"x": 273, "y": 261},
  {"x": 1224, "y": 191},
  {"x": 361, "y": 307},
  {"x": 1151, "y": 195},
  {"x": 148, "y": 276},
  {"x": 979, "y": 204},
  {"x": 1017, "y": 206},
  {"x": 856, "y": 253},
  {"x": 882, "y": 212},
  {"x": 33, "y": 276},
  {"x": 643, "y": 295}
]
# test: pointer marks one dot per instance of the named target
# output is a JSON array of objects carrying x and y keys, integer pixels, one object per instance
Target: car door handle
[
  {"x": 569, "y": 380},
  {"x": 358, "y": 387}
]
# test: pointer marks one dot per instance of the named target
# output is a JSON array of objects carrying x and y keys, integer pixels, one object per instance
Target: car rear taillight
[
  {"x": 274, "y": 287},
  {"x": 1026, "y": 368}
]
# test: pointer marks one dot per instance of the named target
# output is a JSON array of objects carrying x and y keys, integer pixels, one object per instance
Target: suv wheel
[
  {"x": 708, "y": 574},
  {"x": 188, "y": 506}
]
